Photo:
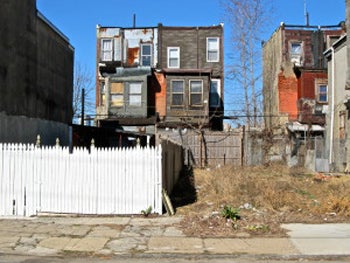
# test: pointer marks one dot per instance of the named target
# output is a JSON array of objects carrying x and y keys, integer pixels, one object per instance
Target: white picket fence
[{"x": 102, "y": 181}]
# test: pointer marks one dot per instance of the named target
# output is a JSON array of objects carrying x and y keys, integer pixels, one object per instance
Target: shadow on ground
[{"x": 184, "y": 192}]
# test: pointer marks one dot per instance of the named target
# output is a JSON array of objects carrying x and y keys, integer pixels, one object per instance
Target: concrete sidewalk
[{"x": 109, "y": 236}]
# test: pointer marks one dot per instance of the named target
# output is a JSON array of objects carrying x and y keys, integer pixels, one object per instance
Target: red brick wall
[
  {"x": 288, "y": 94},
  {"x": 307, "y": 84}
]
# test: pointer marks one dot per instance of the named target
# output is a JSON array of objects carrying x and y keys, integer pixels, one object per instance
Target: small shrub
[
  {"x": 147, "y": 212},
  {"x": 230, "y": 213}
]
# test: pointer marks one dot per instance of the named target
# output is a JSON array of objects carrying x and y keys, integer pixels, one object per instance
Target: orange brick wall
[
  {"x": 288, "y": 95},
  {"x": 161, "y": 95}
]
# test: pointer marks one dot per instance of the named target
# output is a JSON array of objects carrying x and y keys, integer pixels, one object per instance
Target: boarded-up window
[
  {"x": 135, "y": 94},
  {"x": 106, "y": 50},
  {"x": 118, "y": 49},
  {"x": 196, "y": 92},
  {"x": 177, "y": 92},
  {"x": 117, "y": 94},
  {"x": 103, "y": 94}
]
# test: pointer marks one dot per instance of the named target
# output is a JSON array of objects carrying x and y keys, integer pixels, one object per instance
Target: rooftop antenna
[
  {"x": 134, "y": 21},
  {"x": 306, "y": 13}
]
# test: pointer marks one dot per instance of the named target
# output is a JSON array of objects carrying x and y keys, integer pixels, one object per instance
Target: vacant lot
[{"x": 236, "y": 201}]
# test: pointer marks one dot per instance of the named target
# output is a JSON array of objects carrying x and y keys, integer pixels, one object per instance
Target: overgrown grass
[{"x": 276, "y": 190}]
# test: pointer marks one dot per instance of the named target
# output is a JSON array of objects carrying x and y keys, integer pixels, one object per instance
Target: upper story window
[
  {"x": 135, "y": 94},
  {"x": 117, "y": 94},
  {"x": 295, "y": 49},
  {"x": 213, "y": 54},
  {"x": 102, "y": 94},
  {"x": 322, "y": 93},
  {"x": 106, "y": 49},
  {"x": 215, "y": 93},
  {"x": 146, "y": 54},
  {"x": 196, "y": 92},
  {"x": 177, "y": 92},
  {"x": 173, "y": 57}
]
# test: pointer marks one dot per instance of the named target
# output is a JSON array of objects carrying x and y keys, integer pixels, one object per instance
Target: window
[
  {"x": 103, "y": 94},
  {"x": 295, "y": 49},
  {"x": 135, "y": 94},
  {"x": 177, "y": 92},
  {"x": 117, "y": 94},
  {"x": 196, "y": 92},
  {"x": 146, "y": 54},
  {"x": 173, "y": 57},
  {"x": 215, "y": 89},
  {"x": 106, "y": 50},
  {"x": 213, "y": 49},
  {"x": 322, "y": 93}
]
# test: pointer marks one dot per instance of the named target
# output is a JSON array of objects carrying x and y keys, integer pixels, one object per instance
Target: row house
[
  {"x": 159, "y": 77},
  {"x": 295, "y": 89},
  {"x": 295, "y": 81}
]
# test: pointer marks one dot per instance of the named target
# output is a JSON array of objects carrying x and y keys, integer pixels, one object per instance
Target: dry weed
[{"x": 268, "y": 196}]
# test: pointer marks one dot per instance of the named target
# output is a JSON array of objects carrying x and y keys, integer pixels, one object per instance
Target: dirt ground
[{"x": 262, "y": 198}]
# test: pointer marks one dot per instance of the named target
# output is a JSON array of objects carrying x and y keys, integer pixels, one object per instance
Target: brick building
[{"x": 295, "y": 76}]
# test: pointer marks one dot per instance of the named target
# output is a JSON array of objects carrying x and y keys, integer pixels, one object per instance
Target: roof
[
  {"x": 189, "y": 70},
  {"x": 297, "y": 126}
]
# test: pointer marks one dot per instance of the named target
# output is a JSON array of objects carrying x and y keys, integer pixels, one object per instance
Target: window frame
[
  {"x": 168, "y": 57},
  {"x": 134, "y": 94},
  {"x": 318, "y": 85},
  {"x": 217, "y": 49},
  {"x": 177, "y": 93},
  {"x": 117, "y": 94},
  {"x": 105, "y": 51},
  {"x": 218, "y": 92},
  {"x": 195, "y": 93},
  {"x": 102, "y": 93},
  {"x": 143, "y": 55}
]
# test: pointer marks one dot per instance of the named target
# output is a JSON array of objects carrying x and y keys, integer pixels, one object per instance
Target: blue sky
[{"x": 77, "y": 19}]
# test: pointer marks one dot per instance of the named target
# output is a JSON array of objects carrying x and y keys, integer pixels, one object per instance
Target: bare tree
[
  {"x": 247, "y": 19},
  {"x": 83, "y": 81}
]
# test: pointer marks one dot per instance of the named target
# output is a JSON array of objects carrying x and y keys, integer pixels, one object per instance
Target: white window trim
[
  {"x": 219, "y": 93},
  {"x": 168, "y": 57},
  {"x": 135, "y": 94},
  {"x": 142, "y": 55},
  {"x": 190, "y": 93},
  {"x": 218, "y": 49},
  {"x": 318, "y": 83},
  {"x": 103, "y": 50}
]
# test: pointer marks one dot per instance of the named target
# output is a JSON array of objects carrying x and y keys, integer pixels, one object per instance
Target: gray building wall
[
  {"x": 337, "y": 115},
  {"x": 272, "y": 59},
  {"x": 192, "y": 42},
  {"x": 36, "y": 73}
]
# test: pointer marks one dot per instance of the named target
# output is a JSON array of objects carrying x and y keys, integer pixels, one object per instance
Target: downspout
[{"x": 332, "y": 108}]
